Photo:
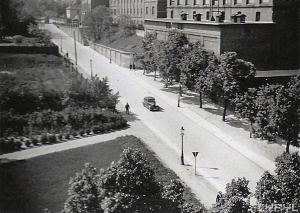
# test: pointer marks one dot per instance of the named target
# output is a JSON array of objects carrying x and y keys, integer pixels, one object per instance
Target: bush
[
  {"x": 96, "y": 129},
  {"x": 81, "y": 133},
  {"x": 107, "y": 126},
  {"x": 67, "y": 136},
  {"x": 52, "y": 138},
  {"x": 88, "y": 131},
  {"x": 18, "y": 144},
  {"x": 74, "y": 134},
  {"x": 34, "y": 141},
  {"x": 27, "y": 143},
  {"x": 44, "y": 139},
  {"x": 60, "y": 136}
]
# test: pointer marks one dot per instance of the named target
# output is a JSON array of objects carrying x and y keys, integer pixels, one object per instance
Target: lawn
[
  {"x": 35, "y": 71},
  {"x": 42, "y": 182}
]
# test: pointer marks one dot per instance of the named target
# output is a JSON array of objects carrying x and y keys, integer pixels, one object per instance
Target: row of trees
[
  {"x": 126, "y": 186},
  {"x": 273, "y": 110},
  {"x": 274, "y": 193}
]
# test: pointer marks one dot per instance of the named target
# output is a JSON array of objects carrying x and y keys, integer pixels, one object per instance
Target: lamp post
[
  {"x": 75, "y": 47},
  {"x": 182, "y": 134}
]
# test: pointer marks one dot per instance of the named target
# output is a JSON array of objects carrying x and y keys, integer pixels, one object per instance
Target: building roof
[{"x": 277, "y": 73}]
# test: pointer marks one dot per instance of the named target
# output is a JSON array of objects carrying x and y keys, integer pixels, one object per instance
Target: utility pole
[
  {"x": 91, "y": 69},
  {"x": 75, "y": 47}
]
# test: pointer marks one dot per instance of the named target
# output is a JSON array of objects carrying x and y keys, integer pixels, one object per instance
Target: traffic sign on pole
[{"x": 195, "y": 155}]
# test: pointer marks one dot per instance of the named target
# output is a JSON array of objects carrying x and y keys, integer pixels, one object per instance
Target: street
[{"x": 220, "y": 157}]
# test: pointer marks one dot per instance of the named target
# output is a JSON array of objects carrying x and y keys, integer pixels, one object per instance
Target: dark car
[{"x": 149, "y": 103}]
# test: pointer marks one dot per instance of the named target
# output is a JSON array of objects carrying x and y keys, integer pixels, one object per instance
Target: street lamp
[{"x": 182, "y": 134}]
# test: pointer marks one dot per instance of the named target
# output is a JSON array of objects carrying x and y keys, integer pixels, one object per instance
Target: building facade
[
  {"x": 265, "y": 32},
  {"x": 139, "y": 10}
]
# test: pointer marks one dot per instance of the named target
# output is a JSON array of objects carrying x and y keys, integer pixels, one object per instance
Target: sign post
[{"x": 195, "y": 155}]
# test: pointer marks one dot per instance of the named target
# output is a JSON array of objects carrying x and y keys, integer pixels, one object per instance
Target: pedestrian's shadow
[{"x": 129, "y": 118}]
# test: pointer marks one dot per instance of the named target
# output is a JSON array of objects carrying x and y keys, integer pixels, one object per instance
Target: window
[
  {"x": 205, "y": 2},
  {"x": 137, "y": 11},
  {"x": 225, "y": 2},
  {"x": 153, "y": 10},
  {"x": 146, "y": 10},
  {"x": 141, "y": 11},
  {"x": 130, "y": 11},
  {"x": 186, "y": 2},
  {"x": 172, "y": 14},
  {"x": 133, "y": 11},
  {"x": 207, "y": 15},
  {"x": 171, "y": 2},
  {"x": 250, "y": 1},
  {"x": 263, "y": 1},
  {"x": 257, "y": 16},
  {"x": 238, "y": 1}
]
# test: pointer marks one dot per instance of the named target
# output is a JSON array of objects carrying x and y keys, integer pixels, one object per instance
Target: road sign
[{"x": 195, "y": 154}]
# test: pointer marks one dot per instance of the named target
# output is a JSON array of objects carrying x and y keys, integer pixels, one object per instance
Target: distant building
[
  {"x": 88, "y": 5},
  {"x": 73, "y": 13},
  {"x": 139, "y": 10},
  {"x": 265, "y": 32}
]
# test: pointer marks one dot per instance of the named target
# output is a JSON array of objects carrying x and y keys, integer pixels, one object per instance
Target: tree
[
  {"x": 245, "y": 106},
  {"x": 95, "y": 93},
  {"x": 266, "y": 103},
  {"x": 228, "y": 77},
  {"x": 170, "y": 54},
  {"x": 193, "y": 67},
  {"x": 126, "y": 24},
  {"x": 98, "y": 20},
  {"x": 149, "y": 55},
  {"x": 129, "y": 185},
  {"x": 284, "y": 186},
  {"x": 288, "y": 112},
  {"x": 236, "y": 197},
  {"x": 83, "y": 192}
]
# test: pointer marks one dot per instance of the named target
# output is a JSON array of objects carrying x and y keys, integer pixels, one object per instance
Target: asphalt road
[{"x": 220, "y": 158}]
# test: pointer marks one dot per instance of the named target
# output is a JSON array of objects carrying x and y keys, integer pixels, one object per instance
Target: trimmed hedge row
[{"x": 12, "y": 144}]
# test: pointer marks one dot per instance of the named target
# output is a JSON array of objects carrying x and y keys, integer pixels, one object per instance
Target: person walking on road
[{"x": 127, "y": 107}]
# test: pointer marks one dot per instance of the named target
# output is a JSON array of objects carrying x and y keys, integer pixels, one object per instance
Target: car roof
[{"x": 149, "y": 97}]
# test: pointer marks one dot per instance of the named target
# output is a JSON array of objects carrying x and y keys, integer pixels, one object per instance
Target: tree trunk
[
  {"x": 200, "y": 99},
  {"x": 224, "y": 112},
  {"x": 287, "y": 149},
  {"x": 155, "y": 75}
]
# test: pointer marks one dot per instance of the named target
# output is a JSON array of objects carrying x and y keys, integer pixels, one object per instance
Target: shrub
[
  {"x": 18, "y": 144},
  {"x": 34, "y": 141},
  {"x": 67, "y": 136},
  {"x": 44, "y": 139},
  {"x": 27, "y": 143},
  {"x": 74, "y": 134},
  {"x": 88, "y": 131},
  {"x": 52, "y": 138},
  {"x": 107, "y": 126},
  {"x": 96, "y": 129},
  {"x": 81, "y": 133},
  {"x": 60, "y": 136}
]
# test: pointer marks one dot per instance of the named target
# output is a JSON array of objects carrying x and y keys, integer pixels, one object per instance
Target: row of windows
[
  {"x": 132, "y": 11},
  {"x": 208, "y": 15},
  {"x": 216, "y": 2},
  {"x": 125, "y": 1}
]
